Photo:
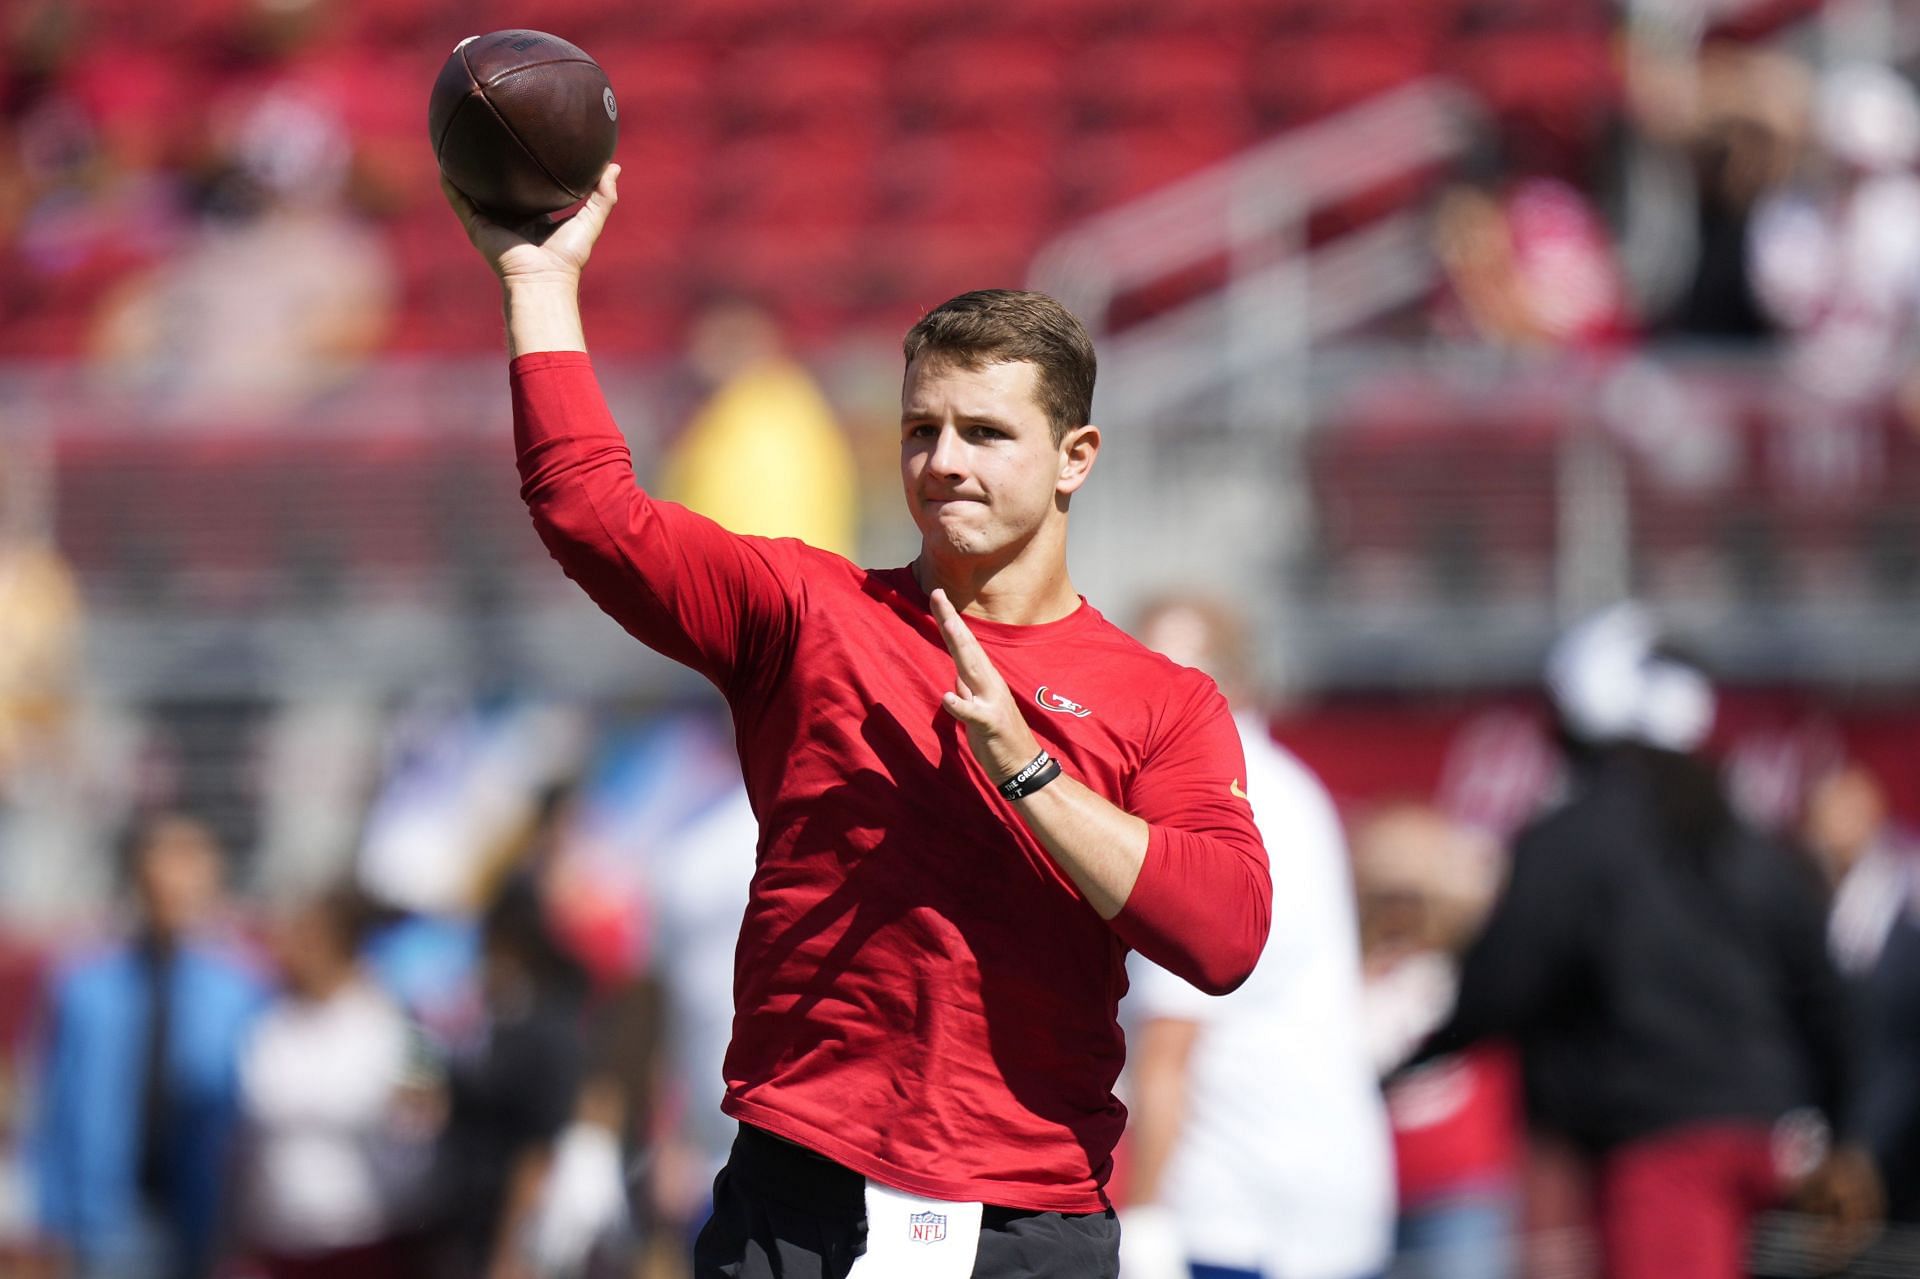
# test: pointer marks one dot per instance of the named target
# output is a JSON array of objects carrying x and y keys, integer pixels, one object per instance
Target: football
[{"x": 522, "y": 122}]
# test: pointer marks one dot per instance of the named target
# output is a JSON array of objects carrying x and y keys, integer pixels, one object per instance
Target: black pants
[{"x": 781, "y": 1212}]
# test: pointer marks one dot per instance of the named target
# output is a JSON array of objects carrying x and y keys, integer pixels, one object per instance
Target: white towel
[{"x": 913, "y": 1237}]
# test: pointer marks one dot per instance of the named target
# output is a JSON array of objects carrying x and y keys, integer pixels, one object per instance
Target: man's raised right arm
[{"x": 676, "y": 581}]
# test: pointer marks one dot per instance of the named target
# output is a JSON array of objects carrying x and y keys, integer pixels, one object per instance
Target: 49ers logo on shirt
[{"x": 1063, "y": 705}]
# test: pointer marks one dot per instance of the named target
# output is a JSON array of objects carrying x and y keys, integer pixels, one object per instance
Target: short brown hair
[{"x": 1003, "y": 326}]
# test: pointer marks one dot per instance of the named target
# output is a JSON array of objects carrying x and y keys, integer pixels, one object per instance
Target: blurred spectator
[
  {"x": 463, "y": 783},
  {"x": 321, "y": 1085},
  {"x": 1727, "y": 127},
  {"x": 700, "y": 894},
  {"x": 40, "y": 620},
  {"x": 1846, "y": 827},
  {"x": 580, "y": 1220},
  {"x": 1837, "y": 260},
  {"x": 1237, "y": 1100},
  {"x": 89, "y": 181},
  {"x": 1527, "y": 262},
  {"x": 138, "y": 1091},
  {"x": 1662, "y": 967},
  {"x": 510, "y": 1095},
  {"x": 664, "y": 826},
  {"x": 40, "y": 632},
  {"x": 1874, "y": 933},
  {"x": 1424, "y": 885},
  {"x": 764, "y": 455},
  {"x": 281, "y": 290},
  {"x": 21, "y": 980}
]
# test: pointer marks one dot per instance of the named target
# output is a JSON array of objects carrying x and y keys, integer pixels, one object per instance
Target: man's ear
[{"x": 1077, "y": 453}]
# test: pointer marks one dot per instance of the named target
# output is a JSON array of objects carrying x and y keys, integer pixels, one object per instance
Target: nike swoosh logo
[{"x": 1233, "y": 788}]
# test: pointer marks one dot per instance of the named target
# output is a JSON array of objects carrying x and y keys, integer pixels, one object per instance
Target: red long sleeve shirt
[{"x": 920, "y": 993}]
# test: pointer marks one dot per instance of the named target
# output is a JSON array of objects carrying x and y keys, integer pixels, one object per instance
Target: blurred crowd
[
  {"x": 226, "y": 206},
  {"x": 1760, "y": 201},
  {"x": 1617, "y": 1008},
  {"x": 191, "y": 213}
]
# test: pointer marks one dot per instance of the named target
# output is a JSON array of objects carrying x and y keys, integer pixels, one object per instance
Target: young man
[{"x": 974, "y": 794}]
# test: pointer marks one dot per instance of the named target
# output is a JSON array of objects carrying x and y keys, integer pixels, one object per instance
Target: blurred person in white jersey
[{"x": 1261, "y": 1148}]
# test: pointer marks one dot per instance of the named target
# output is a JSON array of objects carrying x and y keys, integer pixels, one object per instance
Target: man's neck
[{"x": 1027, "y": 591}]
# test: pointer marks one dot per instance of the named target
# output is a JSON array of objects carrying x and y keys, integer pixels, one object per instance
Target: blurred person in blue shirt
[{"x": 137, "y": 1096}]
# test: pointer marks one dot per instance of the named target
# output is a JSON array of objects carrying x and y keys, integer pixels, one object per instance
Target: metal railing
[{"x": 1282, "y": 293}]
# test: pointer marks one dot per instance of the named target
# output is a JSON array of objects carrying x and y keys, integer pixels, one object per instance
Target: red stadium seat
[
  {"x": 981, "y": 176},
  {"x": 1103, "y": 167},
  {"x": 584, "y": 22},
  {"x": 733, "y": 21},
  {"x": 1554, "y": 93},
  {"x": 1299, "y": 78},
  {"x": 1244, "y": 21},
  {"x": 826, "y": 174},
  {"x": 899, "y": 23},
  {"x": 981, "y": 80},
  {"x": 425, "y": 26},
  {"x": 445, "y": 290},
  {"x": 1068, "y": 21},
  {"x": 921, "y": 264},
  {"x": 661, "y": 86},
  {"x": 633, "y": 315},
  {"x": 812, "y": 274},
  {"x": 1547, "y": 73},
  {"x": 778, "y": 256},
  {"x": 663, "y": 176},
  {"x": 796, "y": 85},
  {"x": 1163, "y": 80}
]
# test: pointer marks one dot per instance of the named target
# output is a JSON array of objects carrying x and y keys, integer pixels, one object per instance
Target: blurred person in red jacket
[
  {"x": 1424, "y": 884},
  {"x": 1526, "y": 262}
]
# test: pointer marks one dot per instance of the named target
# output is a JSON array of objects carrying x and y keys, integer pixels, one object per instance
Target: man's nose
[{"x": 949, "y": 455}]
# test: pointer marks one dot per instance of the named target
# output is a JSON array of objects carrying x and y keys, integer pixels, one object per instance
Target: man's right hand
[
  {"x": 539, "y": 266},
  {"x": 538, "y": 251}
]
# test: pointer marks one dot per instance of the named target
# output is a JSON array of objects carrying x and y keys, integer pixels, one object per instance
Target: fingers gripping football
[{"x": 539, "y": 247}]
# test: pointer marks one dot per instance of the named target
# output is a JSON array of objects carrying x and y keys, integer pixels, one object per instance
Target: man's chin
[{"x": 943, "y": 539}]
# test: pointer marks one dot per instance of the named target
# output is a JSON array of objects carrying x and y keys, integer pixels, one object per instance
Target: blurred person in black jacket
[
  {"x": 510, "y": 1095},
  {"x": 1662, "y": 967},
  {"x": 1873, "y": 932}
]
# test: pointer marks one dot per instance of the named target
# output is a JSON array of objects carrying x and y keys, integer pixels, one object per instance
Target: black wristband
[{"x": 1042, "y": 769}]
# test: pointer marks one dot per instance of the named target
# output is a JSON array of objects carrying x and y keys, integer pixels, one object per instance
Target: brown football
[{"x": 522, "y": 122}]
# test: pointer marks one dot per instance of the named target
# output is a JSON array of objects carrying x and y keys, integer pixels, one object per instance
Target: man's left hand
[{"x": 981, "y": 700}]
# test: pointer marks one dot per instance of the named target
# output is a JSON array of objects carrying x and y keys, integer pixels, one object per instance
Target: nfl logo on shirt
[{"x": 926, "y": 1227}]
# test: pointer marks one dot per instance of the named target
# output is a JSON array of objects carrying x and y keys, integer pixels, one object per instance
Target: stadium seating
[{"x": 769, "y": 141}]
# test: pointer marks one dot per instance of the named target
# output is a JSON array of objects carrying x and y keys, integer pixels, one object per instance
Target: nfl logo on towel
[{"x": 927, "y": 1227}]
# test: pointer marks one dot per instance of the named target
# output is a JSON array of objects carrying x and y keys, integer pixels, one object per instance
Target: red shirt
[
  {"x": 920, "y": 994},
  {"x": 1456, "y": 1125}
]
